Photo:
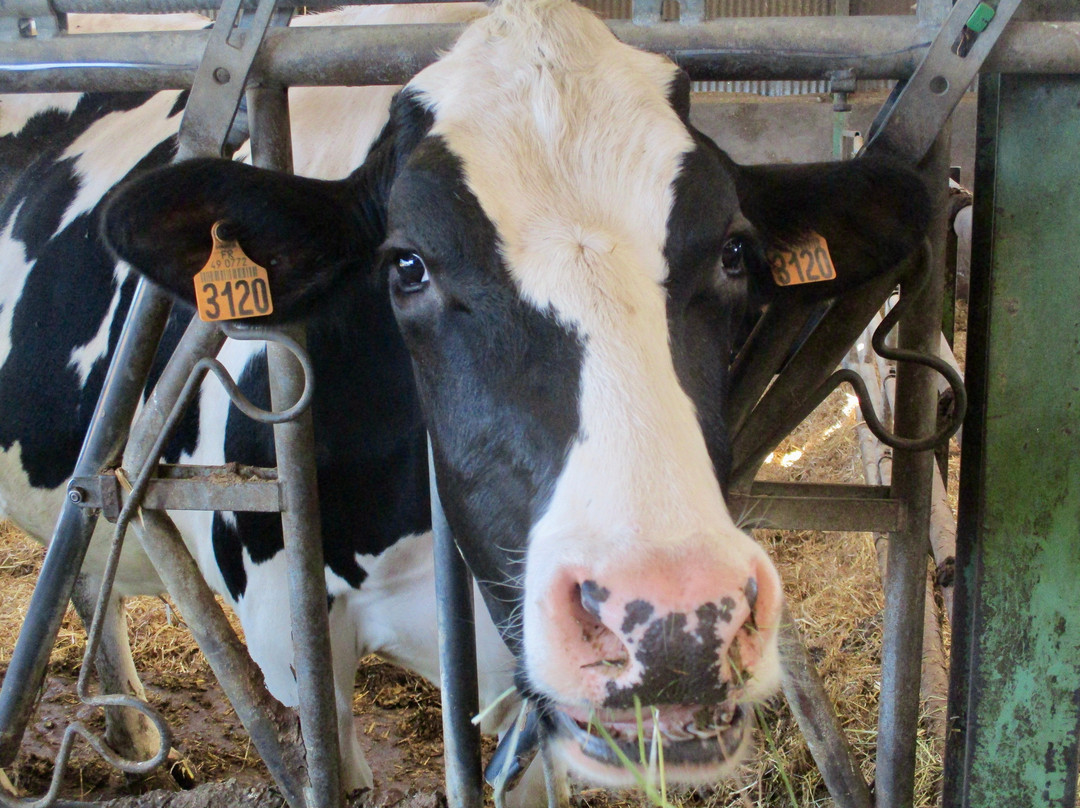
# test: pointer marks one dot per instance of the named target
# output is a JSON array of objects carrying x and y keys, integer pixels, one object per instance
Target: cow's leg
[
  {"x": 355, "y": 771},
  {"x": 128, "y": 732},
  {"x": 266, "y": 616}
]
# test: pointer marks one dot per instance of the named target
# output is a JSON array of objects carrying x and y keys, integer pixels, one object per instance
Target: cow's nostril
[
  {"x": 751, "y": 592},
  {"x": 592, "y": 596}
]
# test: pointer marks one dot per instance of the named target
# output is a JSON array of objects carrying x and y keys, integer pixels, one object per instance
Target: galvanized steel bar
[
  {"x": 810, "y": 704},
  {"x": 221, "y": 76},
  {"x": 166, "y": 6},
  {"x": 912, "y": 479},
  {"x": 302, "y": 529},
  {"x": 1014, "y": 701},
  {"x": 109, "y": 426},
  {"x": 722, "y": 49},
  {"x": 222, "y": 490},
  {"x": 806, "y": 506},
  {"x": 294, "y": 441},
  {"x": 273, "y": 727},
  {"x": 457, "y": 661},
  {"x": 939, "y": 82}
]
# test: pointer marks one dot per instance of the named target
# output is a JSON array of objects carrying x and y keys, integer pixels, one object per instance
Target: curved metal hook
[
  {"x": 244, "y": 332},
  {"x": 898, "y": 355}
]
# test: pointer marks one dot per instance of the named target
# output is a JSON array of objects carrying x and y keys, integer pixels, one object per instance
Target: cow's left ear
[
  {"x": 872, "y": 212},
  {"x": 308, "y": 234}
]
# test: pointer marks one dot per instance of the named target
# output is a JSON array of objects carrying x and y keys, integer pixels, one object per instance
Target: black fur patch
[
  {"x": 679, "y": 666},
  {"x": 499, "y": 379}
]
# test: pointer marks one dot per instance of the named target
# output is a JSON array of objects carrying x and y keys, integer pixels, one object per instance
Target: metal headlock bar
[
  {"x": 871, "y": 47},
  {"x": 306, "y": 773},
  {"x": 726, "y": 48}
]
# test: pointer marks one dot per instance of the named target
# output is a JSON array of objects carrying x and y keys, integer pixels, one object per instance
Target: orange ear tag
[
  {"x": 808, "y": 262},
  {"x": 231, "y": 286}
]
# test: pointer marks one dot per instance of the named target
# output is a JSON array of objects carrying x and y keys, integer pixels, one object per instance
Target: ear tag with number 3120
[
  {"x": 806, "y": 262},
  {"x": 231, "y": 286}
]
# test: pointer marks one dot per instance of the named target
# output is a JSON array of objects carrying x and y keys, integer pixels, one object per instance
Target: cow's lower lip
[{"x": 711, "y": 747}]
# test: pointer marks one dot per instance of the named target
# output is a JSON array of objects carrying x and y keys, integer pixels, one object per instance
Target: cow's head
[{"x": 567, "y": 259}]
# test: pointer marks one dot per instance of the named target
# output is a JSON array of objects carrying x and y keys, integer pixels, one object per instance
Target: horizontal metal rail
[
  {"x": 170, "y": 6},
  {"x": 731, "y": 48},
  {"x": 185, "y": 488},
  {"x": 809, "y": 506}
]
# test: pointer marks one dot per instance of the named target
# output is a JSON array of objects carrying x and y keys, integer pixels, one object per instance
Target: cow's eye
[
  {"x": 732, "y": 256},
  {"x": 412, "y": 274}
]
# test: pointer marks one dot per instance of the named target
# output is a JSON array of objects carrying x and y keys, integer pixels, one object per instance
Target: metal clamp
[
  {"x": 186, "y": 488},
  {"x": 909, "y": 127},
  {"x": 222, "y": 74}
]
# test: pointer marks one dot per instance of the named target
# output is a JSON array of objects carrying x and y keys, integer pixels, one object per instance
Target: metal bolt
[
  {"x": 76, "y": 495},
  {"x": 221, "y": 75}
]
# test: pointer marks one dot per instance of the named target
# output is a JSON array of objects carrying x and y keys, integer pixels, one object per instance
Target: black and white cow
[{"x": 540, "y": 262}]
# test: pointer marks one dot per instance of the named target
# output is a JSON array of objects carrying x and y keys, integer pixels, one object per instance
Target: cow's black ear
[
  {"x": 308, "y": 234},
  {"x": 872, "y": 212}
]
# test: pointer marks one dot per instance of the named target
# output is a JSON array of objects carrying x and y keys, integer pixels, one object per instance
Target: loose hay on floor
[{"x": 831, "y": 580}]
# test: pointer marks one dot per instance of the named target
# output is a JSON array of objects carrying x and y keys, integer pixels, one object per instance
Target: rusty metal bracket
[{"x": 186, "y": 488}]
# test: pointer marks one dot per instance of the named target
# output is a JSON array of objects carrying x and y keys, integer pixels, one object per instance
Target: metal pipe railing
[{"x": 732, "y": 48}]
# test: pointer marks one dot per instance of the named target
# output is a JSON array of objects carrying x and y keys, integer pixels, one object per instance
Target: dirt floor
[{"x": 831, "y": 580}]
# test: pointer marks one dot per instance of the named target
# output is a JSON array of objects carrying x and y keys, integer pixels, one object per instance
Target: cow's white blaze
[{"x": 569, "y": 142}]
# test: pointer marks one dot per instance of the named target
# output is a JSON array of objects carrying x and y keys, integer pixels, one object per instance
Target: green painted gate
[{"x": 1015, "y": 699}]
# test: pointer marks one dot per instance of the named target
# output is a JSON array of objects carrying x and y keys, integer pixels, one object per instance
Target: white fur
[
  {"x": 12, "y": 280},
  {"x": 570, "y": 144},
  {"x": 100, "y": 164},
  {"x": 121, "y": 23},
  {"x": 85, "y": 356},
  {"x": 16, "y": 110}
]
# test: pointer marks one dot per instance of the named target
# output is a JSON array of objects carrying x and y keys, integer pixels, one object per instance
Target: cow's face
[
  {"x": 551, "y": 254},
  {"x": 566, "y": 260}
]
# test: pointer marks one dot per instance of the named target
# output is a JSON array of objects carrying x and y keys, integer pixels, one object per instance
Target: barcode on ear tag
[
  {"x": 807, "y": 262},
  {"x": 231, "y": 286}
]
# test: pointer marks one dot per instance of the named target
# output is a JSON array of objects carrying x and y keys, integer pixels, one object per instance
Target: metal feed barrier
[{"x": 269, "y": 57}]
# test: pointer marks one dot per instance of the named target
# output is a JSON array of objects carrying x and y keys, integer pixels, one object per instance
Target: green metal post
[{"x": 1014, "y": 703}]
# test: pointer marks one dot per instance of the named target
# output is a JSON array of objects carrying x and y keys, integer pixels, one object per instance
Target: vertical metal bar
[
  {"x": 457, "y": 661},
  {"x": 120, "y": 396},
  {"x": 302, "y": 528},
  {"x": 294, "y": 442},
  {"x": 271, "y": 725},
  {"x": 817, "y": 720},
  {"x": 905, "y": 577},
  {"x": 1014, "y": 697}
]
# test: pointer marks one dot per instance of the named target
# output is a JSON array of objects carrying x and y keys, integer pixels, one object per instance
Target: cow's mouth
[
  {"x": 698, "y": 743},
  {"x": 683, "y": 744}
]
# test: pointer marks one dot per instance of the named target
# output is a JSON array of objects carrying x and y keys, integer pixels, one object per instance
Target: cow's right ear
[{"x": 308, "y": 234}]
